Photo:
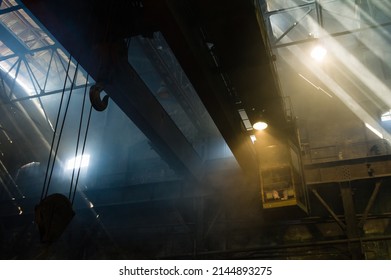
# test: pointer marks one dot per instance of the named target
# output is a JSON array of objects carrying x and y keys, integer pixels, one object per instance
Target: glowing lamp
[{"x": 260, "y": 125}]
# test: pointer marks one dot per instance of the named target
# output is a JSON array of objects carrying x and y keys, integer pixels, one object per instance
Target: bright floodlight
[
  {"x": 260, "y": 125},
  {"x": 78, "y": 162},
  {"x": 318, "y": 53}
]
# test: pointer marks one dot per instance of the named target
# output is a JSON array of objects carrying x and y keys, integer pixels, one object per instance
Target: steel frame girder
[
  {"x": 123, "y": 85},
  {"x": 10, "y": 9},
  {"x": 296, "y": 23},
  {"x": 370, "y": 203},
  {"x": 11, "y": 42},
  {"x": 317, "y": 6},
  {"x": 331, "y": 212},
  {"x": 39, "y": 92},
  {"x": 30, "y": 52},
  {"x": 171, "y": 81},
  {"x": 185, "y": 40},
  {"x": 352, "y": 230},
  {"x": 336, "y": 34},
  {"x": 45, "y": 93},
  {"x": 136, "y": 100},
  {"x": 311, "y": 6}
]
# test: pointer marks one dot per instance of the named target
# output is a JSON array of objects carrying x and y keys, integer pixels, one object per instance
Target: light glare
[
  {"x": 374, "y": 130},
  {"x": 78, "y": 162},
  {"x": 260, "y": 125},
  {"x": 318, "y": 53},
  {"x": 253, "y": 138},
  {"x": 386, "y": 116}
]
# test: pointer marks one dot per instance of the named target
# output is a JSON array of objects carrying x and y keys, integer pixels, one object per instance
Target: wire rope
[
  {"x": 78, "y": 141},
  {"x": 62, "y": 128},
  {"x": 44, "y": 192}
]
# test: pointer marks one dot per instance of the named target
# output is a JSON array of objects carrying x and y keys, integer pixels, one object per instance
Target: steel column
[
  {"x": 371, "y": 201},
  {"x": 350, "y": 219},
  {"x": 324, "y": 203}
]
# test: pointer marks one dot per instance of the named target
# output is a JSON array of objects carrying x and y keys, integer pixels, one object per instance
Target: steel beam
[
  {"x": 246, "y": 59},
  {"x": 171, "y": 81},
  {"x": 44, "y": 93},
  {"x": 350, "y": 219},
  {"x": 184, "y": 31},
  {"x": 336, "y": 34},
  {"x": 284, "y": 10},
  {"x": 30, "y": 52},
  {"x": 319, "y": 13},
  {"x": 371, "y": 201},
  {"x": 324, "y": 203},
  {"x": 291, "y": 27},
  {"x": 10, "y": 9},
  {"x": 98, "y": 54},
  {"x": 11, "y": 42}
]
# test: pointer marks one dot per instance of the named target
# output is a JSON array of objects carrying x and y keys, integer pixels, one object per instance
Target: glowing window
[
  {"x": 386, "y": 116},
  {"x": 78, "y": 162}
]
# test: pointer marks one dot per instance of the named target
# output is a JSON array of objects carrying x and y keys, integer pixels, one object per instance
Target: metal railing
[{"x": 343, "y": 152}]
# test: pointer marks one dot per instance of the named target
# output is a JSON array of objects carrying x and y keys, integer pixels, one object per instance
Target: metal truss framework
[
  {"x": 221, "y": 219},
  {"x": 310, "y": 16},
  {"x": 30, "y": 58}
]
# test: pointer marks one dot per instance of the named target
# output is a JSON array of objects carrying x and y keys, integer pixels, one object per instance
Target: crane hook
[{"x": 96, "y": 102}]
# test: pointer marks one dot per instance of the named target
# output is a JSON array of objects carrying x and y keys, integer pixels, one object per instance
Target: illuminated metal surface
[
  {"x": 355, "y": 70},
  {"x": 139, "y": 207}
]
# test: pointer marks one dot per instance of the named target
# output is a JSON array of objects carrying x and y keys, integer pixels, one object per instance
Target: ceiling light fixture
[
  {"x": 257, "y": 117},
  {"x": 260, "y": 125}
]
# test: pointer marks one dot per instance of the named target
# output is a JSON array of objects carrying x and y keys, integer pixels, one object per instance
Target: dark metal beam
[
  {"x": 319, "y": 13},
  {"x": 336, "y": 34},
  {"x": 98, "y": 51},
  {"x": 30, "y": 52},
  {"x": 11, "y": 41},
  {"x": 324, "y": 203},
  {"x": 136, "y": 100},
  {"x": 199, "y": 240},
  {"x": 44, "y": 93},
  {"x": 350, "y": 219},
  {"x": 296, "y": 23},
  {"x": 10, "y": 9},
  {"x": 182, "y": 24},
  {"x": 371, "y": 201},
  {"x": 284, "y": 10},
  {"x": 170, "y": 80}
]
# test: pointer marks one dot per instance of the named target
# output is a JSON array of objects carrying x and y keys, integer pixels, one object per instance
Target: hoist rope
[
  {"x": 82, "y": 153},
  {"x": 61, "y": 129},
  {"x": 44, "y": 192},
  {"x": 77, "y": 142}
]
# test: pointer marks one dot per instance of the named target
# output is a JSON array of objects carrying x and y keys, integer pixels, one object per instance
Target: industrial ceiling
[{"x": 173, "y": 168}]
